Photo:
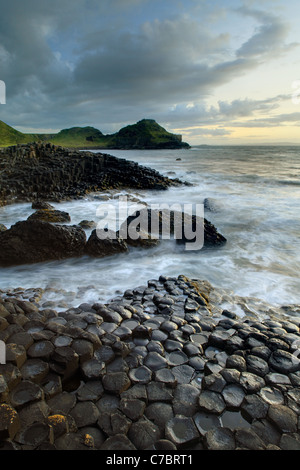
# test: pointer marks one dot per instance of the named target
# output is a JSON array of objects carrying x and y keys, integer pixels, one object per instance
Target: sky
[{"x": 220, "y": 72}]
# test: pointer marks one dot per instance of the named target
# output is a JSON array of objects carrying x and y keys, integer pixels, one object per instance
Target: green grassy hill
[
  {"x": 78, "y": 136},
  {"x": 145, "y": 134},
  {"x": 10, "y": 136}
]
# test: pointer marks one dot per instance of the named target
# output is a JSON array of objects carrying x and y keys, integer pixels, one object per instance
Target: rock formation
[
  {"x": 46, "y": 172},
  {"x": 162, "y": 367}
]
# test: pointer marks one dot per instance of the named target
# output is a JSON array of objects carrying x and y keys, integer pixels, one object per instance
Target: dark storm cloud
[
  {"x": 91, "y": 62},
  {"x": 269, "y": 38}
]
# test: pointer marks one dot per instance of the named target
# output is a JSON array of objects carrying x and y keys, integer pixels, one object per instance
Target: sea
[{"x": 252, "y": 197}]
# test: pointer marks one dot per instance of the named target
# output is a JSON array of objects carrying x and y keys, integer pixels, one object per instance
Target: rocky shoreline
[
  {"x": 162, "y": 367},
  {"x": 30, "y": 172},
  {"x": 44, "y": 235}
]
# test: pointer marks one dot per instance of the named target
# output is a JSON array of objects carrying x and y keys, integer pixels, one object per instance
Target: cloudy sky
[{"x": 216, "y": 71}]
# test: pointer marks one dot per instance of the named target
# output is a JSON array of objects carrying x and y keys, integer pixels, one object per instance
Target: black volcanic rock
[
  {"x": 107, "y": 245},
  {"x": 32, "y": 241},
  {"x": 157, "y": 222},
  {"x": 44, "y": 172},
  {"x": 50, "y": 215}
]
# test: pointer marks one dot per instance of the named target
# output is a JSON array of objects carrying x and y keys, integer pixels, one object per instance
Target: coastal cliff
[{"x": 145, "y": 134}]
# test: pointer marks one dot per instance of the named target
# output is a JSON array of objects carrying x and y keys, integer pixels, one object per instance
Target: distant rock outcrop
[
  {"x": 145, "y": 134},
  {"x": 37, "y": 172}
]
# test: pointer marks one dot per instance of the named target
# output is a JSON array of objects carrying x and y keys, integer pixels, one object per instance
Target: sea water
[{"x": 253, "y": 199}]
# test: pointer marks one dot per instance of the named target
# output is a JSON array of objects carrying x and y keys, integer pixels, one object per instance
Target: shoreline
[{"x": 160, "y": 367}]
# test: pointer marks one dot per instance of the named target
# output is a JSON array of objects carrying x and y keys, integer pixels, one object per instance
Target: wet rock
[
  {"x": 155, "y": 361},
  {"x": 247, "y": 438},
  {"x": 211, "y": 402},
  {"x": 90, "y": 391},
  {"x": 284, "y": 362},
  {"x": 253, "y": 407},
  {"x": 132, "y": 408},
  {"x": 186, "y": 398},
  {"x": 219, "y": 439},
  {"x": 166, "y": 376},
  {"x": 35, "y": 370},
  {"x": 85, "y": 414},
  {"x": 33, "y": 241},
  {"x": 214, "y": 382},
  {"x": 21, "y": 338},
  {"x": 144, "y": 433},
  {"x": 177, "y": 358},
  {"x": 136, "y": 391},
  {"x": 290, "y": 442},
  {"x": 140, "y": 375},
  {"x": 274, "y": 378},
  {"x": 183, "y": 373},
  {"x": 277, "y": 343},
  {"x": 65, "y": 361},
  {"x": 257, "y": 365},
  {"x": 16, "y": 354},
  {"x": 171, "y": 345},
  {"x": 116, "y": 382},
  {"x": 26, "y": 392},
  {"x": 157, "y": 391},
  {"x": 87, "y": 224},
  {"x": 230, "y": 375},
  {"x": 35, "y": 435},
  {"x": 57, "y": 173},
  {"x": 62, "y": 403},
  {"x": 272, "y": 396},
  {"x": 206, "y": 421},
  {"x": 92, "y": 369},
  {"x": 219, "y": 337},
  {"x": 250, "y": 382},
  {"x": 159, "y": 413},
  {"x": 283, "y": 418},
  {"x": 102, "y": 244},
  {"x": 41, "y": 350},
  {"x": 84, "y": 349},
  {"x": 197, "y": 363},
  {"x": 266, "y": 431},
  {"x": 80, "y": 377},
  {"x": 117, "y": 442},
  {"x": 182, "y": 431},
  {"x": 261, "y": 351},
  {"x": 50, "y": 215},
  {"x": 236, "y": 362},
  {"x": 162, "y": 444},
  {"x": 233, "y": 396},
  {"x": 41, "y": 205}
]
